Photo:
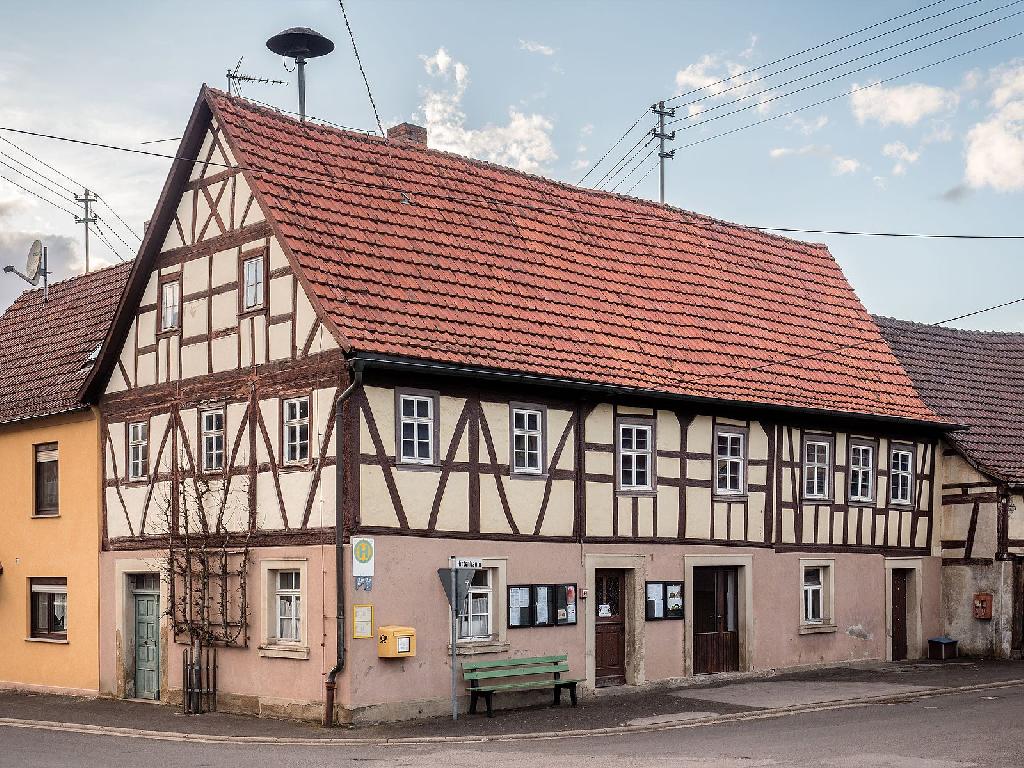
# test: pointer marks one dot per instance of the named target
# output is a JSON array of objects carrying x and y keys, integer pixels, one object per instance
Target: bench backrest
[{"x": 522, "y": 667}]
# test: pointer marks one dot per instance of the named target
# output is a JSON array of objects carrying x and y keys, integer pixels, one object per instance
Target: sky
[{"x": 836, "y": 138}]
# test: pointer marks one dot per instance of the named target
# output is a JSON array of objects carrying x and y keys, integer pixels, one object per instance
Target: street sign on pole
[{"x": 456, "y": 580}]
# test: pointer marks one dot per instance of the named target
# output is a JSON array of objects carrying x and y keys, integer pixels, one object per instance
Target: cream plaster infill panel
[
  {"x": 294, "y": 490},
  {"x": 758, "y": 441},
  {"x": 525, "y": 498},
  {"x": 417, "y": 490},
  {"x": 629, "y": 410},
  {"x": 757, "y": 475},
  {"x": 492, "y": 514},
  {"x": 600, "y": 506},
  {"x": 115, "y": 446},
  {"x": 322, "y": 515},
  {"x": 195, "y": 275},
  {"x": 305, "y": 317},
  {"x": 497, "y": 416},
  {"x": 453, "y": 513},
  {"x": 244, "y": 202},
  {"x": 600, "y": 424},
  {"x": 146, "y": 376},
  {"x": 117, "y": 521},
  {"x": 600, "y": 463},
  {"x": 381, "y": 403},
  {"x": 645, "y": 516},
  {"x": 184, "y": 216},
  {"x": 698, "y": 435},
  {"x": 281, "y": 341},
  {"x": 147, "y": 328},
  {"x": 668, "y": 511},
  {"x": 558, "y": 520},
  {"x": 224, "y": 308},
  {"x": 698, "y": 469},
  {"x": 199, "y": 168},
  {"x": 172, "y": 239},
  {"x": 323, "y": 400},
  {"x": 698, "y": 513},
  {"x": 270, "y": 413},
  {"x": 375, "y": 507},
  {"x": 668, "y": 468},
  {"x": 194, "y": 358},
  {"x": 281, "y": 295},
  {"x": 557, "y": 422},
  {"x": 450, "y": 410},
  {"x": 245, "y": 339},
  {"x": 194, "y": 318},
  {"x": 234, "y": 416},
  {"x": 277, "y": 258},
  {"x": 117, "y": 382},
  {"x": 268, "y": 507},
  {"x": 224, "y": 268},
  {"x": 668, "y": 431}
]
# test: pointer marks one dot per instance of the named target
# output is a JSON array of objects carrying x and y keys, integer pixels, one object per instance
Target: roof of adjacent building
[
  {"x": 45, "y": 347},
  {"x": 972, "y": 378},
  {"x": 410, "y": 252}
]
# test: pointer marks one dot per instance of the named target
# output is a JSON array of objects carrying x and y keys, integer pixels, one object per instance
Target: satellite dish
[
  {"x": 35, "y": 262},
  {"x": 300, "y": 43}
]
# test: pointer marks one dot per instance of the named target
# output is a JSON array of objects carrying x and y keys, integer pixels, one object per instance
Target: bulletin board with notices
[{"x": 541, "y": 605}]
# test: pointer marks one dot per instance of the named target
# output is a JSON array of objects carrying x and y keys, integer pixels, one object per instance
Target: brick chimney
[{"x": 408, "y": 133}]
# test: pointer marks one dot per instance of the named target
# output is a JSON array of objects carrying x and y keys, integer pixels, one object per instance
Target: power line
[
  {"x": 117, "y": 216},
  {"x": 779, "y": 61},
  {"x": 42, "y": 162},
  {"x": 36, "y": 194},
  {"x": 885, "y": 234},
  {"x": 359, "y": 61},
  {"x": 620, "y": 166},
  {"x": 333, "y": 180},
  {"x": 159, "y": 141},
  {"x": 42, "y": 184},
  {"x": 799, "y": 64},
  {"x": 843, "y": 74},
  {"x": 844, "y": 94},
  {"x": 323, "y": 120},
  {"x": 103, "y": 238},
  {"x": 811, "y": 49},
  {"x": 33, "y": 171}
]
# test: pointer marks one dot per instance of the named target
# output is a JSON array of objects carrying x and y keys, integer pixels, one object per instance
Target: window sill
[
  {"x": 861, "y": 503},
  {"x": 252, "y": 312},
  {"x": 169, "y": 333},
  {"x": 719, "y": 496},
  {"x": 46, "y": 516},
  {"x": 641, "y": 492},
  {"x": 528, "y": 475},
  {"x": 409, "y": 465},
  {"x": 475, "y": 647},
  {"x": 817, "y": 500},
  {"x": 817, "y": 629},
  {"x": 282, "y": 651},
  {"x": 51, "y": 640}
]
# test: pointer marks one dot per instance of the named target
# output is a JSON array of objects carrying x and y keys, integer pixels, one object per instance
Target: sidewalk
[{"x": 609, "y": 708}]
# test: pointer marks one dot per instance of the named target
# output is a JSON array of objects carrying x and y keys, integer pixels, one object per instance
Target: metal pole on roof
[
  {"x": 301, "y": 62},
  {"x": 659, "y": 133}
]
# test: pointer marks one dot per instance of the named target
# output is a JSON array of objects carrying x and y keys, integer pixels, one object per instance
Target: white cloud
[
  {"x": 587, "y": 129},
  {"x": 842, "y": 166},
  {"x": 535, "y": 47},
  {"x": 807, "y": 127},
  {"x": 901, "y": 104},
  {"x": 524, "y": 142},
  {"x": 880, "y": 181},
  {"x": 580, "y": 164},
  {"x": 995, "y": 147},
  {"x": 720, "y": 78},
  {"x": 903, "y": 156},
  {"x": 807, "y": 149}
]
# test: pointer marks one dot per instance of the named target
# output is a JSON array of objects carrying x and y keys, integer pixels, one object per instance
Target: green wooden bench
[{"x": 524, "y": 674}]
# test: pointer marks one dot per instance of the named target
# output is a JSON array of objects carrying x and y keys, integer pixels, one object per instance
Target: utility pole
[
  {"x": 86, "y": 200},
  {"x": 659, "y": 133}
]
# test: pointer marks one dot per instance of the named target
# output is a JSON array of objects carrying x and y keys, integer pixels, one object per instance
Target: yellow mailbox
[{"x": 396, "y": 642}]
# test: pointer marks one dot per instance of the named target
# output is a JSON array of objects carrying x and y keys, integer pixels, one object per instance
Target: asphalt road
[{"x": 977, "y": 729}]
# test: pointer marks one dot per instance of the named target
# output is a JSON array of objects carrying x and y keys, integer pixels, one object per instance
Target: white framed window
[
  {"x": 817, "y": 594},
  {"x": 288, "y": 599},
  {"x": 729, "y": 461},
  {"x": 901, "y": 475},
  {"x": 635, "y": 446},
  {"x": 862, "y": 472},
  {"x": 283, "y": 631},
  {"x": 138, "y": 450},
  {"x": 296, "y": 430},
  {"x": 475, "y": 616},
  {"x": 527, "y": 441},
  {"x": 170, "y": 306},
  {"x": 252, "y": 280},
  {"x": 416, "y": 427},
  {"x": 213, "y": 440},
  {"x": 817, "y": 468}
]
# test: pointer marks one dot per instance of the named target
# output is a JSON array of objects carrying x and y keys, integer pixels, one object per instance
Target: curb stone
[{"x": 763, "y": 714}]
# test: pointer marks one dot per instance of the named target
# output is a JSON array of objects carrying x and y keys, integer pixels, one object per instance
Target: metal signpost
[{"x": 456, "y": 579}]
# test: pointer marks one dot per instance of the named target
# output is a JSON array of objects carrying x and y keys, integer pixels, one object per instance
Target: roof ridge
[
  {"x": 373, "y": 138},
  {"x": 72, "y": 278},
  {"x": 946, "y": 328}
]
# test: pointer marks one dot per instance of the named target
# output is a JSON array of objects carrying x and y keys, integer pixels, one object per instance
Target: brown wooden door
[
  {"x": 1017, "y": 635},
  {"x": 716, "y": 639},
  {"x": 610, "y": 628},
  {"x": 899, "y": 614}
]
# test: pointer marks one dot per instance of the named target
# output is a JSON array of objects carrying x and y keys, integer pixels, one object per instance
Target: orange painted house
[{"x": 49, "y": 492}]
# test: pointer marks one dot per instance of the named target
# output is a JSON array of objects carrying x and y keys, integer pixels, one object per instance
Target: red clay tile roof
[
  {"x": 970, "y": 378},
  {"x": 44, "y": 348},
  {"x": 425, "y": 254}
]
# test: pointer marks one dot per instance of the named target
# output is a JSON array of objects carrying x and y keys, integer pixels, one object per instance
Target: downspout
[{"x": 339, "y": 545}]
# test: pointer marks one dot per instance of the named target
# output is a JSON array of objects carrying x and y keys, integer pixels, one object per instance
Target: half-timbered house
[
  {"x": 677, "y": 445},
  {"x": 971, "y": 378}
]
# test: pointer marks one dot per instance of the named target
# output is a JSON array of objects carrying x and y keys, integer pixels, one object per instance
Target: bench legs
[
  {"x": 474, "y": 695},
  {"x": 558, "y": 693}
]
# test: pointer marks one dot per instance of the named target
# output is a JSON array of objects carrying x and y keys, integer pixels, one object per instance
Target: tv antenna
[
  {"x": 235, "y": 76},
  {"x": 35, "y": 267},
  {"x": 301, "y": 44}
]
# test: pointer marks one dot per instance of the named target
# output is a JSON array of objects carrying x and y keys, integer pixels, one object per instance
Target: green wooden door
[{"x": 147, "y": 648}]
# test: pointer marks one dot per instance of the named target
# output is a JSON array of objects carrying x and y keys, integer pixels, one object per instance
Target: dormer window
[{"x": 253, "y": 283}]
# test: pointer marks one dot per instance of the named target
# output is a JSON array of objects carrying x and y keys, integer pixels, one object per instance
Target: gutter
[
  {"x": 390, "y": 362},
  {"x": 339, "y": 545}
]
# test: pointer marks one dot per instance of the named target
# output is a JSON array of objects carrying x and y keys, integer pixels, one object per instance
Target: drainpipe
[{"x": 339, "y": 546}]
